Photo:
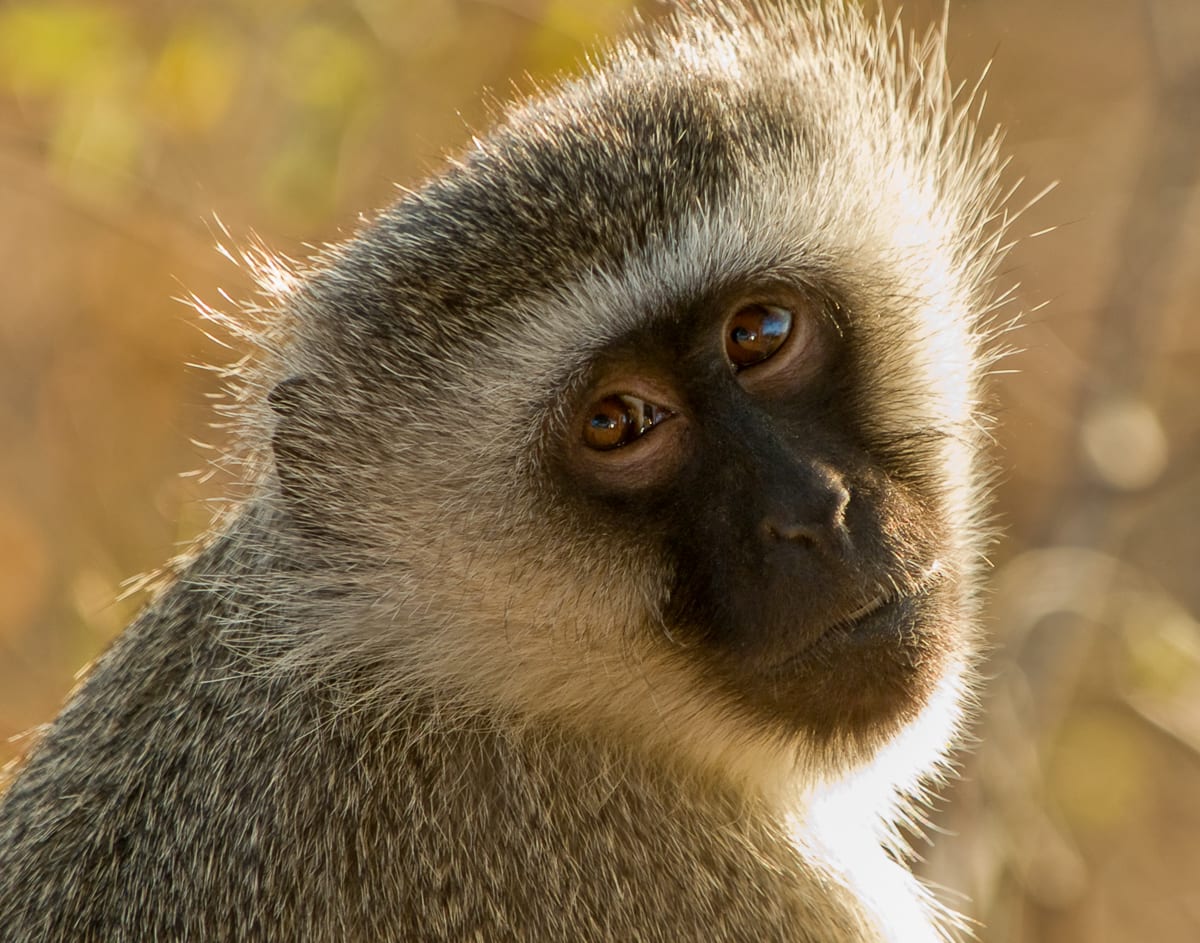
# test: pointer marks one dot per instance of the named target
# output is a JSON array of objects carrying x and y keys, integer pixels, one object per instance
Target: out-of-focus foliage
[
  {"x": 128, "y": 128},
  {"x": 131, "y": 134},
  {"x": 1077, "y": 817}
]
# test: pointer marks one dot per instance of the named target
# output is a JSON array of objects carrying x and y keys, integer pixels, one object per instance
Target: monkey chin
[{"x": 857, "y": 684}]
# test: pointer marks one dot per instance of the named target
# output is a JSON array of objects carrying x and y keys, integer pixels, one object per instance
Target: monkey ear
[
  {"x": 296, "y": 446},
  {"x": 285, "y": 397}
]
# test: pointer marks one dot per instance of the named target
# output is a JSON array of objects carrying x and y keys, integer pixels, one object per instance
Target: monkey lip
[
  {"x": 867, "y": 609},
  {"x": 871, "y": 618}
]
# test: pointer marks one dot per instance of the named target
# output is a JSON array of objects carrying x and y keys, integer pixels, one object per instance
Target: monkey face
[{"x": 807, "y": 579}]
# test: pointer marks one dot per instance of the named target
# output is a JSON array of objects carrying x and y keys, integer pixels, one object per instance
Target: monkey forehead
[
  {"x": 574, "y": 184},
  {"x": 814, "y": 116}
]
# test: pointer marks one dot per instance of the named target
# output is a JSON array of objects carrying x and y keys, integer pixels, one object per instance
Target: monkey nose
[{"x": 810, "y": 511}]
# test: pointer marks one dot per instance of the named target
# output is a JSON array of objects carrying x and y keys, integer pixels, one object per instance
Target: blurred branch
[{"x": 27, "y": 169}]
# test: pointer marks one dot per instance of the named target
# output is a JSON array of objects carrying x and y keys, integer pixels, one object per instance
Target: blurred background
[{"x": 133, "y": 131}]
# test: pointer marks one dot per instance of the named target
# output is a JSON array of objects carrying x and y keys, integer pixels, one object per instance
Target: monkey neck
[{"x": 293, "y": 625}]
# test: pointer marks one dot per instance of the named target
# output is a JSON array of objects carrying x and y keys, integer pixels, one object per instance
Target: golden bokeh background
[{"x": 135, "y": 134}]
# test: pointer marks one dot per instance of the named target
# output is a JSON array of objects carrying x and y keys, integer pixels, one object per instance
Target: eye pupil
[{"x": 756, "y": 332}]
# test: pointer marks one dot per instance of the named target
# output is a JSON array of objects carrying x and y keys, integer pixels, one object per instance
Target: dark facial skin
[{"x": 807, "y": 579}]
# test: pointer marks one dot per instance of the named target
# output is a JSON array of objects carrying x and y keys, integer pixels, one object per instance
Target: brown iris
[
  {"x": 617, "y": 420},
  {"x": 755, "y": 333}
]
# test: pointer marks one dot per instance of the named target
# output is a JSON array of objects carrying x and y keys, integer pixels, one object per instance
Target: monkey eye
[
  {"x": 618, "y": 420},
  {"x": 755, "y": 333}
]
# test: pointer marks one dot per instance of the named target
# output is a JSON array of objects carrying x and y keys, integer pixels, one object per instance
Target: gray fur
[{"x": 403, "y": 693}]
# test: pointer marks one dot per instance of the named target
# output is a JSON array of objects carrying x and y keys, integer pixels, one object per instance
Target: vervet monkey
[{"x": 610, "y": 561}]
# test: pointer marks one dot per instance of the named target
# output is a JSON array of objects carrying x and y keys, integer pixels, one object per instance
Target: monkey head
[{"x": 658, "y": 409}]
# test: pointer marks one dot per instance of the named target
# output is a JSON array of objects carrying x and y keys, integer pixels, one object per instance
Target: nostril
[
  {"x": 799, "y": 533},
  {"x": 832, "y": 538}
]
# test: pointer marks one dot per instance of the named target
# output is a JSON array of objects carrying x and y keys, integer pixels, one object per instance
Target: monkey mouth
[
  {"x": 908, "y": 589},
  {"x": 882, "y": 620},
  {"x": 869, "y": 618},
  {"x": 872, "y": 621}
]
